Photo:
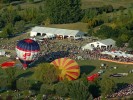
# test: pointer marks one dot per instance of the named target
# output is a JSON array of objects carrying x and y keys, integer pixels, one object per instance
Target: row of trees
[
  {"x": 14, "y": 19},
  {"x": 120, "y": 34},
  {"x": 59, "y": 12}
]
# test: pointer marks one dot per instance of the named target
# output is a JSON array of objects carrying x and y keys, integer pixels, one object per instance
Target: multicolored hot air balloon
[
  {"x": 27, "y": 50},
  {"x": 69, "y": 68}
]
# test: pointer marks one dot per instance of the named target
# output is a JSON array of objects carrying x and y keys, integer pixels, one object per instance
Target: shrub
[
  {"x": 46, "y": 73},
  {"x": 61, "y": 86},
  {"x": 78, "y": 91},
  {"x": 47, "y": 89},
  {"x": 23, "y": 84}
]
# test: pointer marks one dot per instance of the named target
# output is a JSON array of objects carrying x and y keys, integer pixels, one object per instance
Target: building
[
  {"x": 48, "y": 32},
  {"x": 107, "y": 43}
]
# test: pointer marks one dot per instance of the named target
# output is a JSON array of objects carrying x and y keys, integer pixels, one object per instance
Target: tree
[
  {"x": 19, "y": 26},
  {"x": 47, "y": 89},
  {"x": 2, "y": 23},
  {"x": 78, "y": 91},
  {"x": 46, "y": 73},
  {"x": 23, "y": 84},
  {"x": 11, "y": 73},
  {"x": 89, "y": 14},
  {"x": 7, "y": 31},
  {"x": 66, "y": 11},
  {"x": 119, "y": 42},
  {"x": 130, "y": 43},
  {"x": 5, "y": 83},
  {"x": 9, "y": 15},
  {"x": 124, "y": 37},
  {"x": 63, "y": 85},
  {"x": 94, "y": 88},
  {"x": 108, "y": 86},
  {"x": 104, "y": 32}
]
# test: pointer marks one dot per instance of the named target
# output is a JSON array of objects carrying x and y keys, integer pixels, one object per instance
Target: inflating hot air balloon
[
  {"x": 93, "y": 77},
  {"x": 8, "y": 64},
  {"x": 27, "y": 50},
  {"x": 68, "y": 67}
]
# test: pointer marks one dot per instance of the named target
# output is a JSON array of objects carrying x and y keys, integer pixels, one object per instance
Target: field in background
[
  {"x": 75, "y": 26},
  {"x": 89, "y": 3},
  {"x": 99, "y": 3}
]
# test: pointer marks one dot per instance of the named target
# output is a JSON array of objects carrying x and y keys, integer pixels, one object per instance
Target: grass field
[
  {"x": 99, "y": 3},
  {"x": 93, "y": 66},
  {"x": 75, "y": 26}
]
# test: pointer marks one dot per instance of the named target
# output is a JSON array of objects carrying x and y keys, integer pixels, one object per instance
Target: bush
[
  {"x": 47, "y": 89},
  {"x": 61, "y": 86},
  {"x": 5, "y": 83},
  {"x": 23, "y": 84},
  {"x": 46, "y": 73},
  {"x": 78, "y": 91}
]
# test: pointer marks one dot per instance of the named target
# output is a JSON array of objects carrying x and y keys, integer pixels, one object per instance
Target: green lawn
[
  {"x": 93, "y": 66},
  {"x": 74, "y": 26}
]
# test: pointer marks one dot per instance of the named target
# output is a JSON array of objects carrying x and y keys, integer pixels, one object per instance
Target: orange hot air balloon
[{"x": 69, "y": 68}]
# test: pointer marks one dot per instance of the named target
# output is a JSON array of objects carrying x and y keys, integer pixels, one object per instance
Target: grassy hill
[{"x": 98, "y": 3}]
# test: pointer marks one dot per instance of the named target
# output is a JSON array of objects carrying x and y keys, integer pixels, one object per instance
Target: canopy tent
[{"x": 117, "y": 53}]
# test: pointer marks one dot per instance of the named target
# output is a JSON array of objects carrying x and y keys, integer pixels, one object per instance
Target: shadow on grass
[
  {"x": 25, "y": 75},
  {"x": 121, "y": 86},
  {"x": 87, "y": 69},
  {"x": 49, "y": 57}
]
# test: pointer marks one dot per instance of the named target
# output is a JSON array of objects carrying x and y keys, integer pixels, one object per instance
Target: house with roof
[{"x": 48, "y": 32}]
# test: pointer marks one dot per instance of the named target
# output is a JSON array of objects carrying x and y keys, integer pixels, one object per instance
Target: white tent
[
  {"x": 87, "y": 46},
  {"x": 52, "y": 32},
  {"x": 117, "y": 53},
  {"x": 2, "y": 52},
  {"x": 107, "y": 43}
]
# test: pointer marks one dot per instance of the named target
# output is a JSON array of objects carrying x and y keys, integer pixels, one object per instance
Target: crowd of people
[
  {"x": 53, "y": 49},
  {"x": 123, "y": 91}
]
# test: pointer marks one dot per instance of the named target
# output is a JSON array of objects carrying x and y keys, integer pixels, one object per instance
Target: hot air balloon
[
  {"x": 8, "y": 64},
  {"x": 93, "y": 77},
  {"x": 27, "y": 51},
  {"x": 69, "y": 69}
]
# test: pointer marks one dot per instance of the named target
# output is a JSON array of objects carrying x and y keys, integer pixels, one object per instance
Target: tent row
[{"x": 117, "y": 53}]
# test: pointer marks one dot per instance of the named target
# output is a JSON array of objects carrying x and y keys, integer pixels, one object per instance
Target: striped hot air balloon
[
  {"x": 27, "y": 50},
  {"x": 69, "y": 68}
]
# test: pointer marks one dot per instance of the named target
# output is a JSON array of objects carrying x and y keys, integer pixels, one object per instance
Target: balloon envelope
[
  {"x": 68, "y": 67},
  {"x": 93, "y": 77},
  {"x": 7, "y": 64},
  {"x": 27, "y": 51}
]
